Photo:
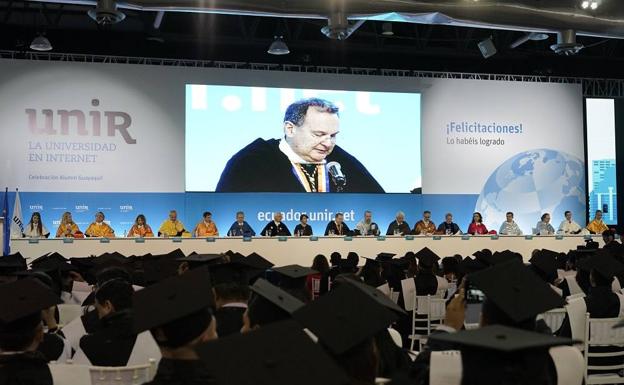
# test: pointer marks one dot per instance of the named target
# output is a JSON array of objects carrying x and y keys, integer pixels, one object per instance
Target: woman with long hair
[
  {"x": 476, "y": 226},
  {"x": 318, "y": 283},
  {"x": 67, "y": 228},
  {"x": 35, "y": 228},
  {"x": 140, "y": 229}
]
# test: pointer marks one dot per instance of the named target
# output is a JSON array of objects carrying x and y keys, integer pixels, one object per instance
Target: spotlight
[
  {"x": 590, "y": 4},
  {"x": 566, "y": 43},
  {"x": 106, "y": 13},
  {"x": 41, "y": 43},
  {"x": 534, "y": 36},
  {"x": 278, "y": 47},
  {"x": 386, "y": 29},
  {"x": 487, "y": 48},
  {"x": 338, "y": 26}
]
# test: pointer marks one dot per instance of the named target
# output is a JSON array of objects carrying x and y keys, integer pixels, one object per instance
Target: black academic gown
[
  {"x": 404, "y": 228},
  {"x": 229, "y": 320},
  {"x": 303, "y": 231},
  {"x": 52, "y": 346},
  {"x": 332, "y": 226},
  {"x": 30, "y": 368},
  {"x": 112, "y": 343},
  {"x": 181, "y": 372},
  {"x": 273, "y": 230},
  {"x": 262, "y": 167}
]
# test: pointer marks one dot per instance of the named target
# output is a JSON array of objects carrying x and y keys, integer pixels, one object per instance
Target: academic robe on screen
[{"x": 262, "y": 167}]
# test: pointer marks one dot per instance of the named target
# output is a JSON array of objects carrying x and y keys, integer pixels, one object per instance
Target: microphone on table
[{"x": 340, "y": 179}]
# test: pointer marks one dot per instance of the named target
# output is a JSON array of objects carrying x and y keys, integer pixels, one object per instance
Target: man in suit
[{"x": 298, "y": 161}]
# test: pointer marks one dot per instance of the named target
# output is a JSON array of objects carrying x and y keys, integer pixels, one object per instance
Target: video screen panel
[
  {"x": 256, "y": 139},
  {"x": 601, "y": 158}
]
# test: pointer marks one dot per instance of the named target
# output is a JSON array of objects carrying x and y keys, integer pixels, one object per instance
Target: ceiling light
[
  {"x": 278, "y": 47},
  {"x": 590, "y": 4},
  {"x": 338, "y": 26},
  {"x": 41, "y": 43},
  {"x": 106, "y": 12},
  {"x": 566, "y": 43},
  {"x": 386, "y": 29},
  {"x": 534, "y": 36}
]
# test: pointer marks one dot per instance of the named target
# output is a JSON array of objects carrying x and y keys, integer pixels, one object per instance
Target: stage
[{"x": 293, "y": 250}]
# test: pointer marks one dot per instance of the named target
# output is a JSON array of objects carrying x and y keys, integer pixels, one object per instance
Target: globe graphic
[{"x": 532, "y": 183}]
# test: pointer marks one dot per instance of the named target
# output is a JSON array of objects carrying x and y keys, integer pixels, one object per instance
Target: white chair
[
  {"x": 70, "y": 374},
  {"x": 576, "y": 310},
  {"x": 569, "y": 364},
  {"x": 68, "y": 313},
  {"x": 126, "y": 375},
  {"x": 434, "y": 310},
  {"x": 445, "y": 367},
  {"x": 396, "y": 337},
  {"x": 600, "y": 332},
  {"x": 554, "y": 318}
]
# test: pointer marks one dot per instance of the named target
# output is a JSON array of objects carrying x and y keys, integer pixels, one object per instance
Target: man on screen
[{"x": 306, "y": 159}]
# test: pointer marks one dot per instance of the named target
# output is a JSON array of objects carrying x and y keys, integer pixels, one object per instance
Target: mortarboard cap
[
  {"x": 21, "y": 303},
  {"x": 484, "y": 256},
  {"x": 179, "y": 306},
  {"x": 516, "y": 291},
  {"x": 197, "y": 260},
  {"x": 269, "y": 303},
  {"x": 233, "y": 272},
  {"x": 12, "y": 263},
  {"x": 604, "y": 263},
  {"x": 504, "y": 256},
  {"x": 546, "y": 262},
  {"x": 345, "y": 317},
  {"x": 427, "y": 258},
  {"x": 384, "y": 257},
  {"x": 500, "y": 338},
  {"x": 277, "y": 354},
  {"x": 373, "y": 292},
  {"x": 257, "y": 261},
  {"x": 293, "y": 276}
]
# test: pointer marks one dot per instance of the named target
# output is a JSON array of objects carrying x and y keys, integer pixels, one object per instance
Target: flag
[
  {"x": 6, "y": 250},
  {"x": 17, "y": 224}
]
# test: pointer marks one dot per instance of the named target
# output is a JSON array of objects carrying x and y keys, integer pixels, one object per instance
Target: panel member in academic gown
[
  {"x": 337, "y": 226},
  {"x": 276, "y": 227},
  {"x": 298, "y": 161},
  {"x": 240, "y": 228},
  {"x": 303, "y": 229},
  {"x": 399, "y": 226},
  {"x": 35, "y": 228},
  {"x": 448, "y": 227},
  {"x": 99, "y": 228},
  {"x": 21, "y": 331}
]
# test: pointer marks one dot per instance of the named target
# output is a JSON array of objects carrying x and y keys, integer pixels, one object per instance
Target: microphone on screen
[{"x": 339, "y": 179}]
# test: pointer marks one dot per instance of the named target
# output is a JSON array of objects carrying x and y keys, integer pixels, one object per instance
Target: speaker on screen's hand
[{"x": 339, "y": 179}]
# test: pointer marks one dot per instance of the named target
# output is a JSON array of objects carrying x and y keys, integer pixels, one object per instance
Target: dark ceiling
[{"x": 246, "y": 39}]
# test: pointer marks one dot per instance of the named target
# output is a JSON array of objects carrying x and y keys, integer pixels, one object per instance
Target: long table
[{"x": 294, "y": 250}]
